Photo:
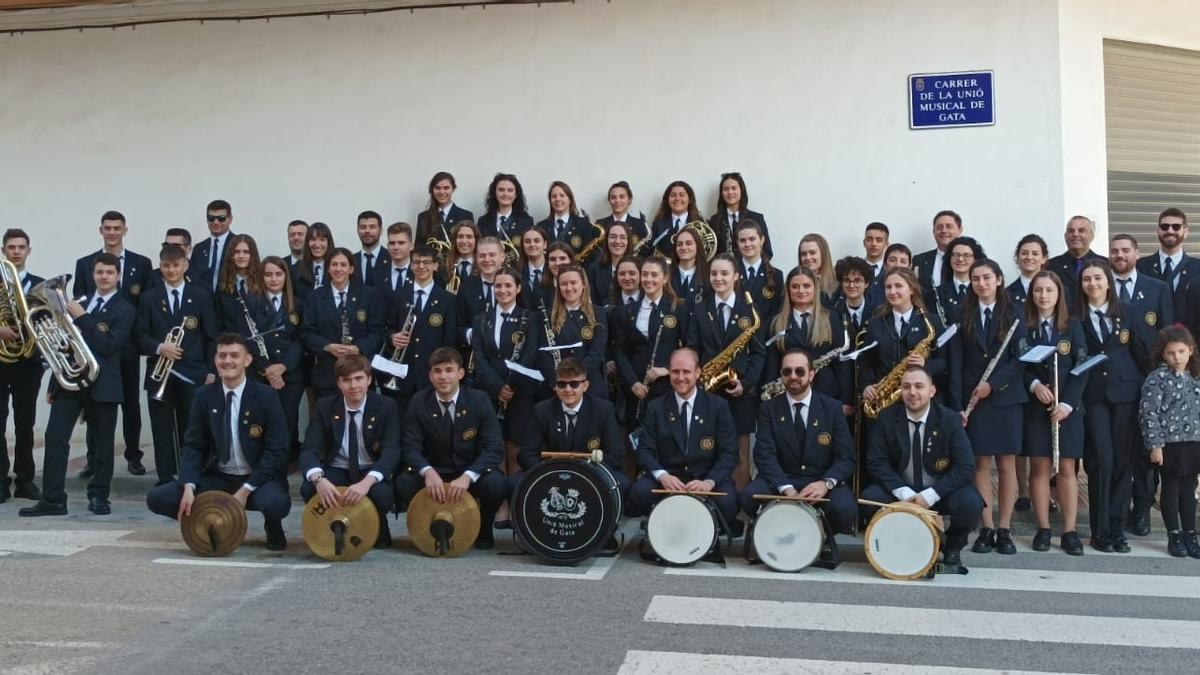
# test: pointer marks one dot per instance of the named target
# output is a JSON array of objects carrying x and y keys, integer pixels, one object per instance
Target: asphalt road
[{"x": 122, "y": 594}]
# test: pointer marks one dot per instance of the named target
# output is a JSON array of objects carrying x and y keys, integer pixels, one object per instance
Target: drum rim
[
  {"x": 704, "y": 504},
  {"x": 927, "y": 520},
  {"x": 608, "y": 488},
  {"x": 811, "y": 511}
]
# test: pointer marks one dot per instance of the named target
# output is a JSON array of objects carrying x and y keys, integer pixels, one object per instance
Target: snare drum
[
  {"x": 565, "y": 510},
  {"x": 788, "y": 535},
  {"x": 902, "y": 541},
  {"x": 682, "y": 528}
]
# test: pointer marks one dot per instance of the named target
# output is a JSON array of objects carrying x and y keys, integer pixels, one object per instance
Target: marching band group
[{"x": 449, "y": 355}]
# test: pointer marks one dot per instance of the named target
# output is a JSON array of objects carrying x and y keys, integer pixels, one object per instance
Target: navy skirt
[
  {"x": 1037, "y": 433},
  {"x": 995, "y": 430}
]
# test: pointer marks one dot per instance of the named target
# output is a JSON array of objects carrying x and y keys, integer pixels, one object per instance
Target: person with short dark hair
[
  {"x": 452, "y": 444},
  {"x": 930, "y": 265},
  {"x": 434, "y": 314},
  {"x": 209, "y": 255},
  {"x": 176, "y": 306},
  {"x": 353, "y": 441},
  {"x": 1171, "y": 263},
  {"x": 340, "y": 318},
  {"x": 875, "y": 244},
  {"x": 372, "y": 258},
  {"x": 105, "y": 322},
  {"x": 854, "y": 304},
  {"x": 920, "y": 453},
  {"x": 804, "y": 448},
  {"x": 236, "y": 442},
  {"x": 21, "y": 380},
  {"x": 133, "y": 277},
  {"x": 180, "y": 237},
  {"x": 897, "y": 255},
  {"x": 1030, "y": 257},
  {"x": 620, "y": 197},
  {"x": 297, "y": 232},
  {"x": 397, "y": 273}
]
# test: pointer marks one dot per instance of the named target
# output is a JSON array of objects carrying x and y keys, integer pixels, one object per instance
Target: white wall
[
  {"x": 319, "y": 119},
  {"x": 1083, "y": 27}
]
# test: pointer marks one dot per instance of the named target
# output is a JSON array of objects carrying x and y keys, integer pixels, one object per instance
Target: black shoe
[
  {"x": 43, "y": 508},
  {"x": 1023, "y": 504},
  {"x": 1041, "y": 540},
  {"x": 985, "y": 542},
  {"x": 1120, "y": 545},
  {"x": 1101, "y": 544},
  {"x": 1193, "y": 546},
  {"x": 1070, "y": 543},
  {"x": 28, "y": 491},
  {"x": 276, "y": 540},
  {"x": 384, "y": 540},
  {"x": 99, "y": 506},
  {"x": 1004, "y": 542},
  {"x": 136, "y": 468},
  {"x": 1175, "y": 545},
  {"x": 486, "y": 539},
  {"x": 952, "y": 559},
  {"x": 1141, "y": 520},
  {"x": 503, "y": 525},
  {"x": 88, "y": 472},
  {"x": 5, "y": 493},
  {"x": 737, "y": 528}
]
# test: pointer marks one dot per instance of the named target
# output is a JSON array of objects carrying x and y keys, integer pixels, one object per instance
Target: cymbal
[
  {"x": 343, "y": 533},
  {"x": 216, "y": 525},
  {"x": 442, "y": 530}
]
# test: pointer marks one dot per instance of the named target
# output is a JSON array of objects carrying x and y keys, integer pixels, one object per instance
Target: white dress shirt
[
  {"x": 898, "y": 318},
  {"x": 807, "y": 401},
  {"x": 237, "y": 464},
  {"x": 691, "y": 401},
  {"x": 905, "y": 492},
  {"x": 453, "y": 410}
]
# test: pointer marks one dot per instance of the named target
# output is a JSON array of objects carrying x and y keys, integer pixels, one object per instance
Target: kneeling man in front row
[
  {"x": 353, "y": 441},
  {"x": 804, "y": 449},
  {"x": 236, "y": 441},
  {"x": 919, "y": 452}
]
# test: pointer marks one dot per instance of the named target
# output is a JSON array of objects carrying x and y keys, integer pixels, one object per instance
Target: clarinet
[
  {"x": 253, "y": 328},
  {"x": 937, "y": 302},
  {"x": 516, "y": 357},
  {"x": 641, "y": 405},
  {"x": 550, "y": 342},
  {"x": 346, "y": 338}
]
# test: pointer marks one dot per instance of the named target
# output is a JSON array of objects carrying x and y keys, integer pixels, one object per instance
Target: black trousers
[
  {"x": 642, "y": 499},
  {"x": 19, "y": 382},
  {"x": 491, "y": 490},
  {"x": 168, "y": 422},
  {"x": 1109, "y": 438},
  {"x": 271, "y": 498},
  {"x": 840, "y": 511},
  {"x": 964, "y": 507},
  {"x": 289, "y": 398},
  {"x": 131, "y": 409},
  {"x": 1145, "y": 477},
  {"x": 380, "y": 494},
  {"x": 102, "y": 427}
]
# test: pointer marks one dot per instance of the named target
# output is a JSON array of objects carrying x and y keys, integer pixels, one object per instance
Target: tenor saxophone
[
  {"x": 718, "y": 373},
  {"x": 887, "y": 390}
]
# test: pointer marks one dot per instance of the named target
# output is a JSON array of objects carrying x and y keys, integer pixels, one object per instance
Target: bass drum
[
  {"x": 682, "y": 528},
  {"x": 565, "y": 510}
]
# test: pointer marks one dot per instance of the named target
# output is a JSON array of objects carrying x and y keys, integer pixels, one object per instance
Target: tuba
[
  {"x": 13, "y": 312},
  {"x": 59, "y": 340},
  {"x": 717, "y": 373},
  {"x": 708, "y": 238},
  {"x": 887, "y": 390}
]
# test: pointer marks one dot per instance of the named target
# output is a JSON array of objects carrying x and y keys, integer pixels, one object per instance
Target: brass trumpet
[
  {"x": 398, "y": 354},
  {"x": 162, "y": 369}
]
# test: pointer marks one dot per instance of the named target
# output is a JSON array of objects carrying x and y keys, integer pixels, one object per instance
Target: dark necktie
[
  {"x": 630, "y": 300},
  {"x": 962, "y": 290},
  {"x": 1046, "y": 334},
  {"x": 99, "y": 304},
  {"x": 903, "y": 329},
  {"x": 798, "y": 421},
  {"x": 227, "y": 429},
  {"x": 1124, "y": 293},
  {"x": 397, "y": 278},
  {"x": 487, "y": 293},
  {"x": 442, "y": 217},
  {"x": 370, "y": 258},
  {"x": 341, "y": 300},
  {"x": 1078, "y": 267},
  {"x": 918, "y": 458},
  {"x": 804, "y": 324},
  {"x": 174, "y": 301},
  {"x": 537, "y": 277},
  {"x": 732, "y": 222},
  {"x": 316, "y": 276},
  {"x": 1104, "y": 332},
  {"x": 683, "y": 424},
  {"x": 1168, "y": 269},
  {"x": 213, "y": 257},
  {"x": 352, "y": 452},
  {"x": 571, "y": 430},
  {"x": 464, "y": 268},
  {"x": 504, "y": 224},
  {"x": 242, "y": 287},
  {"x": 987, "y": 324},
  {"x": 275, "y": 303},
  {"x": 678, "y": 224},
  {"x": 420, "y": 300},
  {"x": 562, "y": 229},
  {"x": 448, "y": 417},
  {"x": 750, "y": 273}
]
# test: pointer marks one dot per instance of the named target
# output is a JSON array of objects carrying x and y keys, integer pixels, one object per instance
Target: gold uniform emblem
[
  {"x": 294, "y": 319},
  {"x": 824, "y": 438},
  {"x": 1124, "y": 336},
  {"x": 102, "y": 327},
  {"x": 1151, "y": 319},
  {"x": 517, "y": 337},
  {"x": 135, "y": 290},
  {"x": 669, "y": 321},
  {"x": 586, "y": 332},
  {"x": 361, "y": 316},
  {"x": 593, "y": 444},
  {"x": 576, "y": 242},
  {"x": 469, "y": 434},
  {"x": 255, "y": 431},
  {"x": 435, "y": 320},
  {"x": 768, "y": 292},
  {"x": 707, "y": 443},
  {"x": 190, "y": 322},
  {"x": 743, "y": 323},
  {"x": 941, "y": 464},
  {"x": 1064, "y": 347}
]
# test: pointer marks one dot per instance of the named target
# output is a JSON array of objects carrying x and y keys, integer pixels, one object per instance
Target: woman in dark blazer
[
  {"x": 573, "y": 319},
  {"x": 733, "y": 208}
]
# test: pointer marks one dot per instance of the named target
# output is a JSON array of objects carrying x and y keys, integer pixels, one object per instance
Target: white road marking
[
  {"x": 595, "y": 571},
  {"x": 58, "y": 542},
  {"x": 79, "y": 604},
  {"x": 980, "y": 578},
  {"x": 639, "y": 662},
  {"x": 205, "y": 562},
  {"x": 58, "y": 644},
  {"x": 919, "y": 621}
]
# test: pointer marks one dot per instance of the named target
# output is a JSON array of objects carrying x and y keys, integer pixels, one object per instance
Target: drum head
[
  {"x": 901, "y": 544},
  {"x": 681, "y": 529},
  {"x": 788, "y": 535},
  {"x": 565, "y": 510}
]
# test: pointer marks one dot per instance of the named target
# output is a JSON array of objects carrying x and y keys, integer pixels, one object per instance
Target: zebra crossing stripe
[{"x": 638, "y": 662}]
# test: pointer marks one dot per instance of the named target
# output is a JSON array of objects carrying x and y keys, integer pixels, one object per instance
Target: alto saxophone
[
  {"x": 594, "y": 244},
  {"x": 717, "y": 373},
  {"x": 887, "y": 390}
]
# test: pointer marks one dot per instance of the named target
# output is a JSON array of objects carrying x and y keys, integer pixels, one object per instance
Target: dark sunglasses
[
  {"x": 569, "y": 384},
  {"x": 1170, "y": 226},
  {"x": 798, "y": 372},
  {"x": 217, "y": 219}
]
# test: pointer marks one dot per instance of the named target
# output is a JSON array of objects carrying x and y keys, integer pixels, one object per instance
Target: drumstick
[
  {"x": 567, "y": 455},
  {"x": 894, "y": 505},
  {"x": 688, "y": 492},
  {"x": 793, "y": 498}
]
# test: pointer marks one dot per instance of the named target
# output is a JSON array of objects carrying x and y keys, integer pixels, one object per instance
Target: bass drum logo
[{"x": 559, "y": 506}]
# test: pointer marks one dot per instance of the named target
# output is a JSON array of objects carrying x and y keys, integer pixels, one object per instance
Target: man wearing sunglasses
[
  {"x": 574, "y": 421},
  {"x": 804, "y": 449},
  {"x": 1170, "y": 263},
  {"x": 688, "y": 442},
  {"x": 209, "y": 255},
  {"x": 133, "y": 277}
]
